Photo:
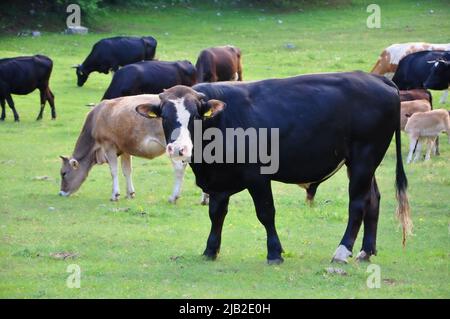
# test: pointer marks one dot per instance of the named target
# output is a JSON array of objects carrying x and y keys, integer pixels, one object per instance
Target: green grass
[{"x": 130, "y": 248}]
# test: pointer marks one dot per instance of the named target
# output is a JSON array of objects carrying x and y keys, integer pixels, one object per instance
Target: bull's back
[{"x": 118, "y": 123}]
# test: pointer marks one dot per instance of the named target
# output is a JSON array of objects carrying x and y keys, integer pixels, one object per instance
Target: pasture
[{"x": 148, "y": 248}]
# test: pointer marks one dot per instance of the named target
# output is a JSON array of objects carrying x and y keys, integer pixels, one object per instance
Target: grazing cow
[
  {"x": 414, "y": 70},
  {"x": 150, "y": 77},
  {"x": 309, "y": 138},
  {"x": 114, "y": 129},
  {"x": 22, "y": 75},
  {"x": 408, "y": 108},
  {"x": 390, "y": 57},
  {"x": 219, "y": 64},
  {"x": 416, "y": 94},
  {"x": 111, "y": 53},
  {"x": 426, "y": 126},
  {"x": 439, "y": 78}
]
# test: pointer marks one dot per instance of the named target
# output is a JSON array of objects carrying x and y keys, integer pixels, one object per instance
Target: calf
[
  {"x": 114, "y": 129},
  {"x": 361, "y": 112},
  {"x": 390, "y": 57},
  {"x": 426, "y": 126},
  {"x": 408, "y": 108},
  {"x": 415, "y": 69},
  {"x": 219, "y": 64},
  {"x": 150, "y": 77},
  {"x": 22, "y": 75},
  {"x": 111, "y": 53}
]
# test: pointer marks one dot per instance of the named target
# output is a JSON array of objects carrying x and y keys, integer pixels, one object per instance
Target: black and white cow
[
  {"x": 313, "y": 124},
  {"x": 414, "y": 70},
  {"x": 111, "y": 53}
]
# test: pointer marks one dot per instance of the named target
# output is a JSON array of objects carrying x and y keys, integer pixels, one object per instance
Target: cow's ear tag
[
  {"x": 152, "y": 114},
  {"x": 207, "y": 114}
]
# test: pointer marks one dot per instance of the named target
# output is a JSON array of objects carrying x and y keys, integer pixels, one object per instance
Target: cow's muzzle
[{"x": 65, "y": 194}]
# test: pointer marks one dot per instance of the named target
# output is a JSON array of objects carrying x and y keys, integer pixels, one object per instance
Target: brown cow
[
  {"x": 113, "y": 129},
  {"x": 408, "y": 108},
  {"x": 390, "y": 57},
  {"x": 219, "y": 64},
  {"x": 416, "y": 94}
]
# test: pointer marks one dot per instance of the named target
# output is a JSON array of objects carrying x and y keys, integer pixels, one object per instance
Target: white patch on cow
[
  {"x": 341, "y": 254},
  {"x": 235, "y": 77},
  {"x": 400, "y": 50},
  {"x": 184, "y": 137}
]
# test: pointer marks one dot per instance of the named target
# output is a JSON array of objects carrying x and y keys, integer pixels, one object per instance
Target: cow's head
[
  {"x": 179, "y": 107},
  {"x": 82, "y": 75},
  {"x": 189, "y": 71},
  {"x": 73, "y": 175},
  {"x": 439, "y": 77}
]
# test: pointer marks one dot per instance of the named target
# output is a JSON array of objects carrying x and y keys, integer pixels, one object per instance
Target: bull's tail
[{"x": 401, "y": 184}]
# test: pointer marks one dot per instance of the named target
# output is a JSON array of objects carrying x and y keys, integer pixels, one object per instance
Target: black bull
[{"x": 323, "y": 120}]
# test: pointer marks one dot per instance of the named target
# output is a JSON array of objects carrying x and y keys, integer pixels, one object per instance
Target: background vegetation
[{"x": 148, "y": 248}]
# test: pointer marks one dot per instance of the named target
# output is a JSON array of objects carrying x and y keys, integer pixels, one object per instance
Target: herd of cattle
[{"x": 362, "y": 112}]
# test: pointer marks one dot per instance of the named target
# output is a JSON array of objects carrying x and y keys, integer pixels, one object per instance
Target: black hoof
[
  {"x": 276, "y": 261},
  {"x": 209, "y": 257}
]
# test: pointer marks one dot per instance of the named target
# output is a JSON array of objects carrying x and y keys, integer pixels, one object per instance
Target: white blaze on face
[{"x": 182, "y": 146}]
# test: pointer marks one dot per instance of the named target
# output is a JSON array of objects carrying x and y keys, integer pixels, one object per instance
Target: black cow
[
  {"x": 323, "y": 121},
  {"x": 111, "y": 53},
  {"x": 22, "y": 75},
  {"x": 414, "y": 69},
  {"x": 150, "y": 77}
]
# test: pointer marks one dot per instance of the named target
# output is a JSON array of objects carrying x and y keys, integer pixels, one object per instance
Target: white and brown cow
[
  {"x": 426, "y": 126},
  {"x": 113, "y": 129},
  {"x": 390, "y": 57}
]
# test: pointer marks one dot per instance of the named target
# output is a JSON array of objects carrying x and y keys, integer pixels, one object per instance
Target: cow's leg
[
  {"x": 413, "y": 140},
  {"x": 218, "y": 208},
  {"x": 205, "y": 199},
  {"x": 111, "y": 155},
  {"x": 418, "y": 149},
  {"x": 361, "y": 176},
  {"x": 178, "y": 169},
  {"x": 370, "y": 224},
  {"x": 12, "y": 107},
  {"x": 265, "y": 210},
  {"x": 127, "y": 170},
  {"x": 51, "y": 100},
  {"x": 430, "y": 145},
  {"x": 444, "y": 97},
  {"x": 311, "y": 193},
  {"x": 2, "y": 102},
  {"x": 42, "y": 95}
]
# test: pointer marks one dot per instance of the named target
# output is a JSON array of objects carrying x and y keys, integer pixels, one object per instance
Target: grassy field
[{"x": 148, "y": 248}]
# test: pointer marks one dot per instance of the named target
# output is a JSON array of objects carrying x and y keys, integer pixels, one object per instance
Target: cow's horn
[
  {"x": 432, "y": 61},
  {"x": 75, "y": 66}
]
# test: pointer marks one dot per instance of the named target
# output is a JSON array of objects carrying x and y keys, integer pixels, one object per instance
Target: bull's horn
[
  {"x": 432, "y": 61},
  {"x": 75, "y": 66}
]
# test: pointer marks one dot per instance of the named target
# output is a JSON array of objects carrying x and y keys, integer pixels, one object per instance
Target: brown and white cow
[
  {"x": 408, "y": 108},
  {"x": 390, "y": 57},
  {"x": 113, "y": 129},
  {"x": 219, "y": 64},
  {"x": 426, "y": 126}
]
